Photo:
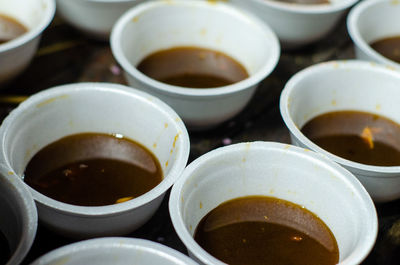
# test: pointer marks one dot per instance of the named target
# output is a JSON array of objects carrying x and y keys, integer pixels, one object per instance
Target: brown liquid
[
  {"x": 263, "y": 230},
  {"x": 5, "y": 252},
  {"x": 306, "y": 2},
  {"x": 10, "y": 28},
  {"x": 388, "y": 47},
  {"x": 358, "y": 136},
  {"x": 93, "y": 169},
  {"x": 192, "y": 67}
]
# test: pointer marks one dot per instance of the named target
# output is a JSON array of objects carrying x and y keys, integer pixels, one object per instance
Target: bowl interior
[
  {"x": 378, "y": 20},
  {"x": 263, "y": 169},
  {"x": 102, "y": 108},
  {"x": 29, "y": 12},
  {"x": 339, "y": 86},
  {"x": 156, "y": 26}
]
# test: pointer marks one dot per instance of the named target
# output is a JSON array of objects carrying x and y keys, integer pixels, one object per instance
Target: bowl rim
[
  {"x": 315, "y": 9},
  {"x": 147, "y": 246},
  {"x": 29, "y": 216},
  {"x": 32, "y": 33},
  {"x": 345, "y": 175},
  {"x": 109, "y": 1},
  {"x": 107, "y": 210},
  {"x": 368, "y": 170},
  {"x": 352, "y": 20},
  {"x": 177, "y": 91}
]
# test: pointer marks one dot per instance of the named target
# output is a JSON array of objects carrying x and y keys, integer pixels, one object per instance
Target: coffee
[
  {"x": 264, "y": 230},
  {"x": 388, "y": 47},
  {"x": 192, "y": 67},
  {"x": 92, "y": 169},
  {"x": 358, "y": 136}
]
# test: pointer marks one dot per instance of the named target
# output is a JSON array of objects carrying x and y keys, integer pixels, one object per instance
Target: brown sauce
[
  {"x": 93, "y": 169},
  {"x": 358, "y": 136},
  {"x": 388, "y": 47},
  {"x": 192, "y": 67},
  {"x": 5, "y": 252},
  {"x": 305, "y": 2},
  {"x": 264, "y": 230},
  {"x": 10, "y": 28}
]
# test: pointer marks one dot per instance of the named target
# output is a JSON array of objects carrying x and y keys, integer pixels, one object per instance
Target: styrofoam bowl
[
  {"x": 94, "y": 17},
  {"x": 371, "y": 20},
  {"x": 158, "y": 25},
  {"x": 279, "y": 170},
  {"x": 295, "y": 24},
  {"x": 345, "y": 85},
  {"x": 15, "y": 55},
  {"x": 103, "y": 108},
  {"x": 18, "y": 222},
  {"x": 115, "y": 250}
]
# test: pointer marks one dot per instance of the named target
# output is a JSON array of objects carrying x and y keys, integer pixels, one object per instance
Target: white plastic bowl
[
  {"x": 95, "y": 107},
  {"x": 283, "y": 171},
  {"x": 158, "y": 25},
  {"x": 116, "y": 251},
  {"x": 345, "y": 85},
  {"x": 18, "y": 213},
  {"x": 36, "y": 15},
  {"x": 295, "y": 24},
  {"x": 371, "y": 20},
  {"x": 94, "y": 17}
]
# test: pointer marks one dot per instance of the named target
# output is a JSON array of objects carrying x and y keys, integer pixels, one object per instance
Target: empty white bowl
[
  {"x": 35, "y": 15},
  {"x": 103, "y": 108},
  {"x": 115, "y": 250},
  {"x": 158, "y": 25},
  {"x": 295, "y": 24},
  {"x": 282, "y": 171},
  {"x": 18, "y": 213},
  {"x": 345, "y": 85},
  {"x": 94, "y": 17},
  {"x": 371, "y": 20}
]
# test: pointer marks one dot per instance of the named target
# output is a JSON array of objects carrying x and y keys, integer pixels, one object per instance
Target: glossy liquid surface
[
  {"x": 358, "y": 136},
  {"x": 93, "y": 169},
  {"x": 388, "y": 47},
  {"x": 10, "y": 28},
  {"x": 192, "y": 67},
  {"x": 5, "y": 253},
  {"x": 264, "y": 230},
  {"x": 305, "y": 2}
]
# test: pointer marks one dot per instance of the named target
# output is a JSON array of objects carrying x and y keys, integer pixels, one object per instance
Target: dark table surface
[{"x": 67, "y": 56}]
